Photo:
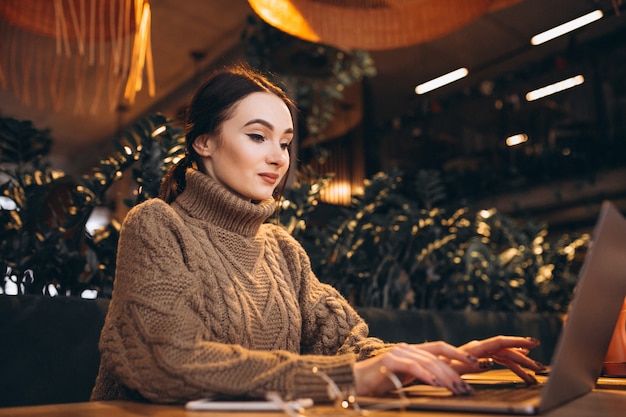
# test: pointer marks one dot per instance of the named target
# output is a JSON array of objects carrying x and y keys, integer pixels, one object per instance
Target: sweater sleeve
[
  {"x": 330, "y": 325},
  {"x": 156, "y": 339}
]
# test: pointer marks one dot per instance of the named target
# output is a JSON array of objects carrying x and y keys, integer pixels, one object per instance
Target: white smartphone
[{"x": 208, "y": 404}]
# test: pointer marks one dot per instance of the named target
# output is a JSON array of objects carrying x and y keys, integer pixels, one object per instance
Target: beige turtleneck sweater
[{"x": 211, "y": 301}]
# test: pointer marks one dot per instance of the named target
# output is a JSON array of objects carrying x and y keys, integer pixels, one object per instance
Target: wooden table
[
  {"x": 601, "y": 403},
  {"x": 609, "y": 400}
]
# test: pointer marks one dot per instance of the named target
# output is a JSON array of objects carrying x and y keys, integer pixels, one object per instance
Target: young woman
[{"x": 210, "y": 300}]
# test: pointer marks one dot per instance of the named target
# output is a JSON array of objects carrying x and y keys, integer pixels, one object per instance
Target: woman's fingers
[
  {"x": 447, "y": 352},
  {"x": 440, "y": 364},
  {"x": 446, "y": 355},
  {"x": 410, "y": 363},
  {"x": 510, "y": 351},
  {"x": 518, "y": 370},
  {"x": 493, "y": 344},
  {"x": 517, "y": 356},
  {"x": 482, "y": 365}
]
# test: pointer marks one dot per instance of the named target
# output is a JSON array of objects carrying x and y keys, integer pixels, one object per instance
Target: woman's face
[{"x": 250, "y": 153}]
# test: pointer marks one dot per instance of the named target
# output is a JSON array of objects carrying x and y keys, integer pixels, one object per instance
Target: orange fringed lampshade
[
  {"x": 372, "y": 24},
  {"x": 102, "y": 47},
  {"x": 75, "y": 20}
]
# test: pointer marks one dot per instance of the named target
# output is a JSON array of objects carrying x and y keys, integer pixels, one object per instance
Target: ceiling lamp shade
[
  {"x": 372, "y": 24},
  {"x": 102, "y": 47}
]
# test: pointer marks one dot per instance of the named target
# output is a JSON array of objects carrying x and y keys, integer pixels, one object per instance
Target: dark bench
[
  {"x": 459, "y": 327},
  {"x": 49, "y": 346}
]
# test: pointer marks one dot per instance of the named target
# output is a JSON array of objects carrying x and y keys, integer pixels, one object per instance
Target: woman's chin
[{"x": 256, "y": 198}]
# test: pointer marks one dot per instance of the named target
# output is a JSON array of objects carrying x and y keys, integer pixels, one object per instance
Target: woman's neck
[{"x": 206, "y": 199}]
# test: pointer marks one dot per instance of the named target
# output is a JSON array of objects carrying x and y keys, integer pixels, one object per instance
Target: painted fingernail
[
  {"x": 472, "y": 358},
  {"x": 485, "y": 363},
  {"x": 456, "y": 388},
  {"x": 462, "y": 388},
  {"x": 540, "y": 365},
  {"x": 532, "y": 339},
  {"x": 436, "y": 382},
  {"x": 531, "y": 379}
]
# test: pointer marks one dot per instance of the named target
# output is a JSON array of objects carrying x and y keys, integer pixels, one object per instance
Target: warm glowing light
[
  {"x": 560, "y": 30},
  {"x": 337, "y": 192},
  {"x": 89, "y": 294},
  {"x": 485, "y": 214},
  {"x": 441, "y": 81},
  {"x": 141, "y": 54},
  {"x": 97, "y": 47},
  {"x": 516, "y": 139},
  {"x": 555, "y": 88},
  {"x": 100, "y": 217},
  {"x": 158, "y": 131},
  {"x": 7, "y": 204}
]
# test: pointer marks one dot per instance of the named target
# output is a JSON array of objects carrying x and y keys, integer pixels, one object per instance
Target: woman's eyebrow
[{"x": 266, "y": 124}]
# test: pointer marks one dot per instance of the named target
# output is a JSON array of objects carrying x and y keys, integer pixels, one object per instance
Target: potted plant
[
  {"x": 45, "y": 246},
  {"x": 401, "y": 245}
]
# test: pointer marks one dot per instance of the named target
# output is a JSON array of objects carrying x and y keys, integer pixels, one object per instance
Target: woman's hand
[
  {"x": 509, "y": 351},
  {"x": 440, "y": 364},
  {"x": 414, "y": 362}
]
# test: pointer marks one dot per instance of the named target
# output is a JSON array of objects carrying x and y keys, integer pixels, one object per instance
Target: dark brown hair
[{"x": 211, "y": 105}]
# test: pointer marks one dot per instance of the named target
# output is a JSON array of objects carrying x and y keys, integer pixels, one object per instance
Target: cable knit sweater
[{"x": 211, "y": 301}]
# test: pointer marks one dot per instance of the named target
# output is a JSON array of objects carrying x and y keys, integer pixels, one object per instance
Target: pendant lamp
[
  {"x": 94, "y": 52},
  {"x": 372, "y": 24}
]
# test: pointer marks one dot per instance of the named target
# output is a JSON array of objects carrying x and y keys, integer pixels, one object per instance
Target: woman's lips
[{"x": 269, "y": 177}]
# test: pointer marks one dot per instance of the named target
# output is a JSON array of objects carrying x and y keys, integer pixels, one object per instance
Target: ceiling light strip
[
  {"x": 560, "y": 30},
  {"x": 441, "y": 81},
  {"x": 555, "y": 88},
  {"x": 518, "y": 139}
]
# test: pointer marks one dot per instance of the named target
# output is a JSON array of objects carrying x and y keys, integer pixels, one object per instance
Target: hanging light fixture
[
  {"x": 372, "y": 24},
  {"x": 101, "y": 47}
]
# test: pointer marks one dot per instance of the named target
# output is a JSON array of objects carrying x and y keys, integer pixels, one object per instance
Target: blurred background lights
[
  {"x": 100, "y": 217},
  {"x": 516, "y": 139},
  {"x": 555, "y": 88},
  {"x": 7, "y": 204}
]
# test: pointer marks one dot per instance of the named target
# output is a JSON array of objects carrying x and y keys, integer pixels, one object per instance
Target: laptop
[{"x": 582, "y": 345}]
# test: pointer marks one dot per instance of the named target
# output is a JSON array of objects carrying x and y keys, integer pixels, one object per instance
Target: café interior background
[{"x": 570, "y": 158}]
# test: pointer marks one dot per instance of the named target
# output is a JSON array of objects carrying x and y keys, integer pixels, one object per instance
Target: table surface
[{"x": 609, "y": 399}]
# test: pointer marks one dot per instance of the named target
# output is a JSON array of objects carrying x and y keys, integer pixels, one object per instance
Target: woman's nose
[{"x": 278, "y": 155}]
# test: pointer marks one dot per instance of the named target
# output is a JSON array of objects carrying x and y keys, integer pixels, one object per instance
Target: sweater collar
[{"x": 206, "y": 199}]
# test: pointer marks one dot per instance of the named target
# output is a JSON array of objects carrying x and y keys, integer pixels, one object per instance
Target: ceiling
[{"x": 189, "y": 37}]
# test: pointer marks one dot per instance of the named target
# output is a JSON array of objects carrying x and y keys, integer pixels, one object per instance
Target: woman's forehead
[{"x": 264, "y": 106}]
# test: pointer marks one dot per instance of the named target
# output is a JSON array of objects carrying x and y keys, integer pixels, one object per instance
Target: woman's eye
[
  {"x": 256, "y": 137},
  {"x": 286, "y": 145}
]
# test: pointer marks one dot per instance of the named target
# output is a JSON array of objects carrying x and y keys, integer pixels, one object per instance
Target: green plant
[
  {"x": 316, "y": 74},
  {"x": 27, "y": 183},
  {"x": 300, "y": 199},
  {"x": 401, "y": 246},
  {"x": 45, "y": 244}
]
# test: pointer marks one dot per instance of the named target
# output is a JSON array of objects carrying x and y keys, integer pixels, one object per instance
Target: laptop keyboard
[{"x": 505, "y": 394}]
